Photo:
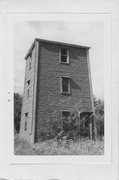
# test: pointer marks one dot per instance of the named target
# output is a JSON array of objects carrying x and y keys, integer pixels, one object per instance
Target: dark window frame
[{"x": 63, "y": 86}]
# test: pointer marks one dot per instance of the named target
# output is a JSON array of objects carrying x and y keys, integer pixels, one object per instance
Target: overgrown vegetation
[
  {"x": 67, "y": 137},
  {"x": 75, "y": 126},
  {"x": 17, "y": 111},
  {"x": 71, "y": 127},
  {"x": 60, "y": 147},
  {"x": 99, "y": 117}
]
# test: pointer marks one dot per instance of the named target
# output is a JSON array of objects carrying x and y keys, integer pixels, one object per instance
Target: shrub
[
  {"x": 70, "y": 128},
  {"x": 99, "y": 116},
  {"x": 17, "y": 111},
  {"x": 50, "y": 129},
  {"x": 74, "y": 127}
]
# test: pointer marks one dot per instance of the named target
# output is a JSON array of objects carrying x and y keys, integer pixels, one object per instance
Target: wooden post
[
  {"x": 90, "y": 126},
  {"x": 95, "y": 128}
]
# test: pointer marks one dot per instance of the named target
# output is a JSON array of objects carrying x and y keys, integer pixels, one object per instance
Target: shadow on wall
[{"x": 74, "y": 85}]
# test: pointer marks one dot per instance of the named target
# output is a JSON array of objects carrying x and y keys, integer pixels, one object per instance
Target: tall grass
[{"x": 61, "y": 147}]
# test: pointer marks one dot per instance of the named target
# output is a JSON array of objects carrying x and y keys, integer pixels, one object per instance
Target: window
[
  {"x": 28, "y": 82},
  {"x": 26, "y": 115},
  {"x": 26, "y": 118},
  {"x": 65, "y": 114},
  {"x": 27, "y": 93},
  {"x": 65, "y": 85},
  {"x": 64, "y": 55}
]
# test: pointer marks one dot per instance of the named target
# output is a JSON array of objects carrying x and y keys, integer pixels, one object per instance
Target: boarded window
[
  {"x": 65, "y": 83},
  {"x": 64, "y": 55}
]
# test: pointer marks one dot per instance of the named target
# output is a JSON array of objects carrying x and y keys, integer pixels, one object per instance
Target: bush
[
  {"x": 99, "y": 117},
  {"x": 50, "y": 129},
  {"x": 74, "y": 127},
  {"x": 71, "y": 127},
  {"x": 17, "y": 111}
]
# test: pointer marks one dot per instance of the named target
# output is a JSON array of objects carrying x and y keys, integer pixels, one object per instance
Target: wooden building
[{"x": 57, "y": 78}]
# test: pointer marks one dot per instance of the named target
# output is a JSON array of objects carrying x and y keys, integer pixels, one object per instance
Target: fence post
[{"x": 90, "y": 126}]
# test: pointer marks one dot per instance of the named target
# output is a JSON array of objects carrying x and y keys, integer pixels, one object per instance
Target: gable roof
[{"x": 54, "y": 43}]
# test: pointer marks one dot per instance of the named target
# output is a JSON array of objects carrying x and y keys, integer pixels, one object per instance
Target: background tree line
[
  {"x": 72, "y": 128},
  {"x": 99, "y": 116},
  {"x": 17, "y": 111}
]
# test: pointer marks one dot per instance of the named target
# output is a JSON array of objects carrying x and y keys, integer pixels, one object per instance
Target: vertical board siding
[
  {"x": 27, "y": 102},
  {"x": 50, "y": 101},
  {"x": 45, "y": 100}
]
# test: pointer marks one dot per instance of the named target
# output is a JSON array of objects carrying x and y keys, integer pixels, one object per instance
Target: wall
[
  {"x": 27, "y": 104},
  {"x": 50, "y": 101}
]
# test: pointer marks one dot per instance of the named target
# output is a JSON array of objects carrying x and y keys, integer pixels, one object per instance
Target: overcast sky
[{"x": 90, "y": 33}]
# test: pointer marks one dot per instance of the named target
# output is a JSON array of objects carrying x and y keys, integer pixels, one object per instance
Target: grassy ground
[{"x": 53, "y": 147}]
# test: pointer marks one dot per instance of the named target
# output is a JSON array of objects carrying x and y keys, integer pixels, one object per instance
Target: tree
[
  {"x": 99, "y": 113},
  {"x": 17, "y": 111}
]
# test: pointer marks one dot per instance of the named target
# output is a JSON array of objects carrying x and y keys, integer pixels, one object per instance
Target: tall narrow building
[{"x": 57, "y": 78}]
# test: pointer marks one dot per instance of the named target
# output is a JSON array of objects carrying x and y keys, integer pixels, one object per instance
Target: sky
[{"x": 88, "y": 33}]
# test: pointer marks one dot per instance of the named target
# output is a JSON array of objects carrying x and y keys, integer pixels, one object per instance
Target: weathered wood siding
[
  {"x": 27, "y": 103},
  {"x": 50, "y": 101}
]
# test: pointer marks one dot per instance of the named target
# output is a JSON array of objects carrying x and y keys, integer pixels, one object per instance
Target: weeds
[{"x": 60, "y": 147}]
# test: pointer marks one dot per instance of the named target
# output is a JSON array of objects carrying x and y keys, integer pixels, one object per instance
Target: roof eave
[
  {"x": 53, "y": 42},
  {"x": 30, "y": 50},
  {"x": 62, "y": 43}
]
